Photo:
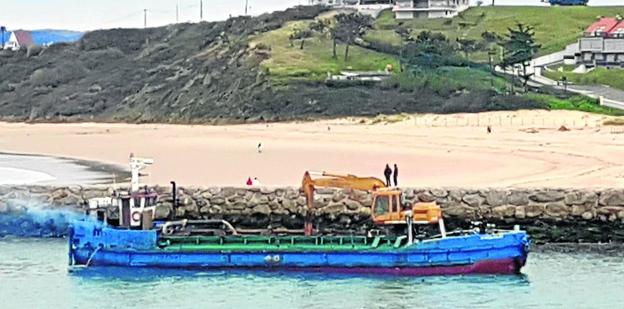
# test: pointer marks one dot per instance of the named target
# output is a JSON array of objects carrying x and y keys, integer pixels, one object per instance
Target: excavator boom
[{"x": 328, "y": 180}]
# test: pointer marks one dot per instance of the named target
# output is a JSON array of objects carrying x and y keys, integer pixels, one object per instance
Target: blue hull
[{"x": 91, "y": 244}]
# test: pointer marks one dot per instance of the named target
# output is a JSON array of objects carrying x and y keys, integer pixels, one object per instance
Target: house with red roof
[
  {"x": 602, "y": 27},
  {"x": 601, "y": 45}
]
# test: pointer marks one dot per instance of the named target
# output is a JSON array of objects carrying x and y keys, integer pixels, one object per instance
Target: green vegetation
[
  {"x": 315, "y": 60},
  {"x": 519, "y": 48},
  {"x": 578, "y": 103},
  {"x": 599, "y": 76},
  {"x": 446, "y": 80},
  {"x": 555, "y": 27},
  {"x": 439, "y": 57}
]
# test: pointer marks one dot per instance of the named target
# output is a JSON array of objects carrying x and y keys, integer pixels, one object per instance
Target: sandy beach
[{"x": 525, "y": 149}]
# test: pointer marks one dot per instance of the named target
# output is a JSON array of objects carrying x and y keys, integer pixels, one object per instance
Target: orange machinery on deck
[{"x": 387, "y": 207}]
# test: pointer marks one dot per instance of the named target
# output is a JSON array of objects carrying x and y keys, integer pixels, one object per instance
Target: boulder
[
  {"x": 262, "y": 209},
  {"x": 333, "y": 209},
  {"x": 364, "y": 212},
  {"x": 425, "y": 197},
  {"x": 580, "y": 198},
  {"x": 474, "y": 200},
  {"x": 533, "y": 211},
  {"x": 339, "y": 196},
  {"x": 547, "y": 196},
  {"x": 163, "y": 211},
  {"x": 495, "y": 198},
  {"x": 274, "y": 204},
  {"x": 217, "y": 200},
  {"x": 609, "y": 210},
  {"x": 520, "y": 212},
  {"x": 228, "y": 192},
  {"x": 205, "y": 210},
  {"x": 439, "y": 193},
  {"x": 352, "y": 205},
  {"x": 557, "y": 210},
  {"x": 301, "y": 201},
  {"x": 587, "y": 215},
  {"x": 518, "y": 198},
  {"x": 258, "y": 198},
  {"x": 409, "y": 194},
  {"x": 455, "y": 196},
  {"x": 506, "y": 211},
  {"x": 579, "y": 210},
  {"x": 291, "y": 194},
  {"x": 456, "y": 211},
  {"x": 612, "y": 197}
]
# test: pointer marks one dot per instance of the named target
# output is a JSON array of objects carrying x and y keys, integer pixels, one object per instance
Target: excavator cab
[{"x": 388, "y": 209}]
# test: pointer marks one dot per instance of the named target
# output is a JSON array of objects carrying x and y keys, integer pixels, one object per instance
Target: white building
[
  {"x": 408, "y": 9},
  {"x": 352, "y": 3}
]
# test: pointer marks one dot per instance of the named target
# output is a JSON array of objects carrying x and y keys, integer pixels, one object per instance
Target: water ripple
[{"x": 34, "y": 274}]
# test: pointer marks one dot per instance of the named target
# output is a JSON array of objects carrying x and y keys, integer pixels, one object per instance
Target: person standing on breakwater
[
  {"x": 388, "y": 174},
  {"x": 396, "y": 175}
]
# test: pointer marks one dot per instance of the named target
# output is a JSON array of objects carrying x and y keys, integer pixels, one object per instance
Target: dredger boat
[{"x": 135, "y": 240}]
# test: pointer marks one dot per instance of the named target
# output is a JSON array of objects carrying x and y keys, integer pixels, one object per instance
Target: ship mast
[{"x": 136, "y": 165}]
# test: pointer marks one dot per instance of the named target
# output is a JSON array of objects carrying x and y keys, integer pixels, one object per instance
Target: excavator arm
[{"x": 329, "y": 180}]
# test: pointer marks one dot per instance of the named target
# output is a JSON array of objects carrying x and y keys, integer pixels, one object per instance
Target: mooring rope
[{"x": 92, "y": 255}]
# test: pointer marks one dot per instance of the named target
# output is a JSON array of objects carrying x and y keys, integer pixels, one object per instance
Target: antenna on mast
[
  {"x": 144, "y": 18},
  {"x": 201, "y": 10}
]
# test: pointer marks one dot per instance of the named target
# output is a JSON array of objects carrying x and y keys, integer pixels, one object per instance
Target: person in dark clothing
[
  {"x": 396, "y": 175},
  {"x": 388, "y": 174}
]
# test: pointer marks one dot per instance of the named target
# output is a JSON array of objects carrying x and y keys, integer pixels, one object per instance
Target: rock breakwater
[{"x": 549, "y": 215}]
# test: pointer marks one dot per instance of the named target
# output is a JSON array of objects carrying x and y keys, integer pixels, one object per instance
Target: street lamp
[{"x": 491, "y": 54}]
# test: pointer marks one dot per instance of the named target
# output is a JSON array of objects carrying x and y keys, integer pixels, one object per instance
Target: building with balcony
[
  {"x": 408, "y": 9},
  {"x": 601, "y": 45}
]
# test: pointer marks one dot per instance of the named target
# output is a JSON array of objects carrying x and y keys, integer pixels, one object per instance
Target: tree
[
  {"x": 326, "y": 27},
  {"x": 430, "y": 50},
  {"x": 299, "y": 34},
  {"x": 519, "y": 48},
  {"x": 404, "y": 33},
  {"x": 468, "y": 46},
  {"x": 406, "y": 36},
  {"x": 349, "y": 27}
]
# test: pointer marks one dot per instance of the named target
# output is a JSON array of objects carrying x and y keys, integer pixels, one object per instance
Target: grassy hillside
[
  {"x": 599, "y": 76},
  {"x": 555, "y": 27},
  {"x": 315, "y": 60}
]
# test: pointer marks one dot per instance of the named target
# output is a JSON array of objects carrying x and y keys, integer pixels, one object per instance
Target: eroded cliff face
[
  {"x": 549, "y": 215},
  {"x": 179, "y": 73},
  {"x": 197, "y": 73}
]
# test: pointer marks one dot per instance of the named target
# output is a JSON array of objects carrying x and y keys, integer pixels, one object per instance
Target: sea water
[{"x": 34, "y": 274}]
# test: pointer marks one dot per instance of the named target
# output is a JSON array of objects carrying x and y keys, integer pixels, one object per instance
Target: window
[
  {"x": 381, "y": 205},
  {"x": 396, "y": 204}
]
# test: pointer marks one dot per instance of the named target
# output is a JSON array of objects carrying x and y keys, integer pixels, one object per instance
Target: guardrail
[{"x": 611, "y": 103}]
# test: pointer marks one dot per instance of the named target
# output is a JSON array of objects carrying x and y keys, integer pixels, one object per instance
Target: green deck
[{"x": 280, "y": 243}]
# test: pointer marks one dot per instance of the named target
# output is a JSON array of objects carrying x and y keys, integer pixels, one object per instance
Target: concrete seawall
[{"x": 550, "y": 215}]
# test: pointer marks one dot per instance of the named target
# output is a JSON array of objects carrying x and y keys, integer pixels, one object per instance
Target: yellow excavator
[{"x": 387, "y": 208}]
